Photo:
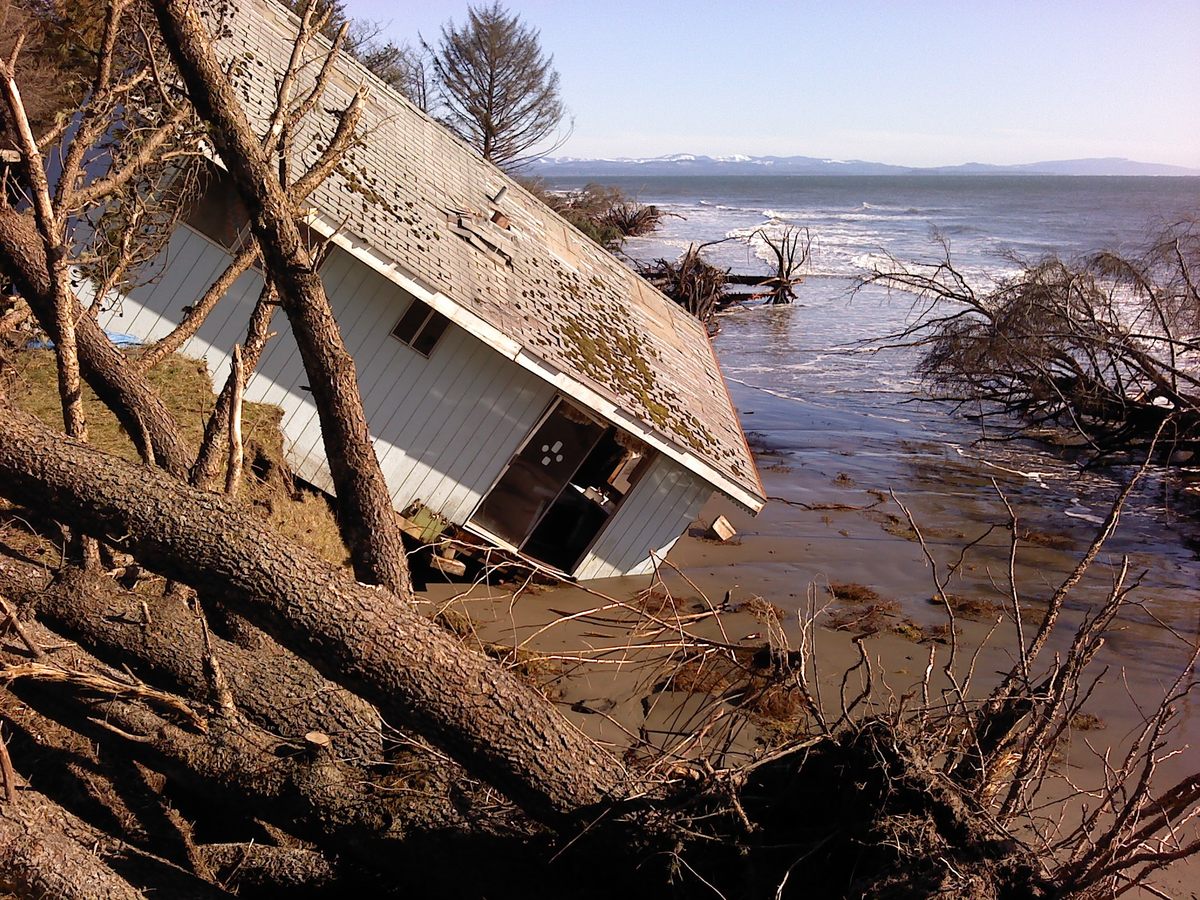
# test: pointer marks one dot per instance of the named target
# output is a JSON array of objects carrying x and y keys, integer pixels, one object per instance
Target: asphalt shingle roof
[{"x": 418, "y": 196}]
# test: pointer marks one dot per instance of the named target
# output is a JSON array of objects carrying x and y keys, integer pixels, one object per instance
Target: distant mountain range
[{"x": 692, "y": 164}]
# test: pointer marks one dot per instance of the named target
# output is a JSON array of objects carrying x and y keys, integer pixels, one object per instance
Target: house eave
[{"x": 513, "y": 350}]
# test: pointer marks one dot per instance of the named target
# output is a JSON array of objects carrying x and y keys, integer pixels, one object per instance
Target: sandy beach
[{"x": 607, "y": 663}]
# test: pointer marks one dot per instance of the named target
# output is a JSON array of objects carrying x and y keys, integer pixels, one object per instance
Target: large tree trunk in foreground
[
  {"x": 496, "y": 726},
  {"x": 365, "y": 514},
  {"x": 271, "y": 685},
  {"x": 39, "y": 859},
  {"x": 302, "y": 786},
  {"x": 122, "y": 388}
]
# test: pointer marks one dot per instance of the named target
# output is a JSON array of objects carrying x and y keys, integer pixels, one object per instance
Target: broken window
[{"x": 420, "y": 327}]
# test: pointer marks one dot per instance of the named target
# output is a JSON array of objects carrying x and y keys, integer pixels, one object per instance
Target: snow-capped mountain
[{"x": 740, "y": 164}]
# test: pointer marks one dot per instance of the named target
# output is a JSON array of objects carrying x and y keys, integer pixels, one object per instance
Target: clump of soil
[
  {"x": 1086, "y": 721},
  {"x": 662, "y": 605},
  {"x": 765, "y": 612},
  {"x": 1048, "y": 540},
  {"x": 853, "y": 592},
  {"x": 869, "y": 619},
  {"x": 921, "y": 634},
  {"x": 893, "y": 524},
  {"x": 861, "y": 609},
  {"x": 757, "y": 681},
  {"x": 974, "y": 608}
]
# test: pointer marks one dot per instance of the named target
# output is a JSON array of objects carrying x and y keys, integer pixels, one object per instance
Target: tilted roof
[{"x": 416, "y": 202}]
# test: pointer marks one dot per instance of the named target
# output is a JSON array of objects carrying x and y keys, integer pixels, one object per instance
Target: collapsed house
[{"x": 519, "y": 381}]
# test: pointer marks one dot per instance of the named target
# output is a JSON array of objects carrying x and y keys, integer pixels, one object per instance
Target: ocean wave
[
  {"x": 873, "y": 261},
  {"x": 849, "y": 240}
]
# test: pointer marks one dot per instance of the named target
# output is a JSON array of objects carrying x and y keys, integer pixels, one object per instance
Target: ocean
[
  {"x": 855, "y": 220},
  {"x": 827, "y": 400}
]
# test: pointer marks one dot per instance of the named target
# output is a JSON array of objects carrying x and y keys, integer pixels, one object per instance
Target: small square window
[{"x": 420, "y": 327}]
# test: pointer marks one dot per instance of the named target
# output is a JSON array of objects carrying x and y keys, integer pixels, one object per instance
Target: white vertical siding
[
  {"x": 652, "y": 517},
  {"x": 444, "y": 427}
]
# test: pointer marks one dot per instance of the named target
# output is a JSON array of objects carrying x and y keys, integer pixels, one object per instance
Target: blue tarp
[{"x": 117, "y": 337}]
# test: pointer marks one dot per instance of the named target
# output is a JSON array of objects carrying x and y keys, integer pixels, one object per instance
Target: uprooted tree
[
  {"x": 604, "y": 213},
  {"x": 691, "y": 281},
  {"x": 1105, "y": 347},
  {"x": 703, "y": 288},
  {"x": 254, "y": 749},
  {"x": 790, "y": 251}
]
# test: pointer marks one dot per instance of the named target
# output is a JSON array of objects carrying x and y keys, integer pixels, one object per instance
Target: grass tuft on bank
[{"x": 295, "y": 510}]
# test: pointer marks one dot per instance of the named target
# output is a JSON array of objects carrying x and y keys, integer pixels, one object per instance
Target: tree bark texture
[
  {"x": 124, "y": 390},
  {"x": 499, "y": 728},
  {"x": 38, "y": 859},
  {"x": 125, "y": 826},
  {"x": 262, "y": 867},
  {"x": 271, "y": 685},
  {"x": 236, "y": 763},
  {"x": 300, "y": 786},
  {"x": 366, "y": 518},
  {"x": 234, "y": 769}
]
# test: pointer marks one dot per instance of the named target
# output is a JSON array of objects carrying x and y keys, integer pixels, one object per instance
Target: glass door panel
[{"x": 537, "y": 474}]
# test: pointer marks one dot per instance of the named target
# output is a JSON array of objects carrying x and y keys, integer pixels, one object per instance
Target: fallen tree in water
[
  {"x": 1107, "y": 346},
  {"x": 691, "y": 281},
  {"x": 703, "y": 289},
  {"x": 604, "y": 213},
  {"x": 790, "y": 252}
]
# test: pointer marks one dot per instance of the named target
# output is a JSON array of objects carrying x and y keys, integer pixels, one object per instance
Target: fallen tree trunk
[
  {"x": 231, "y": 772},
  {"x": 302, "y": 786},
  {"x": 746, "y": 280},
  {"x": 273, "y": 687},
  {"x": 39, "y": 859},
  {"x": 124, "y": 824},
  {"x": 119, "y": 385},
  {"x": 499, "y": 728}
]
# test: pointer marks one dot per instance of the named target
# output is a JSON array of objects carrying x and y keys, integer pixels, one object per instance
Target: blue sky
[{"x": 911, "y": 83}]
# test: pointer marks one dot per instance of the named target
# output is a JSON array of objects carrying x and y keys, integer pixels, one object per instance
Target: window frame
[{"x": 432, "y": 318}]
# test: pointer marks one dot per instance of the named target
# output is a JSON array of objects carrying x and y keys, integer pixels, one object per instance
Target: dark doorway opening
[{"x": 560, "y": 489}]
